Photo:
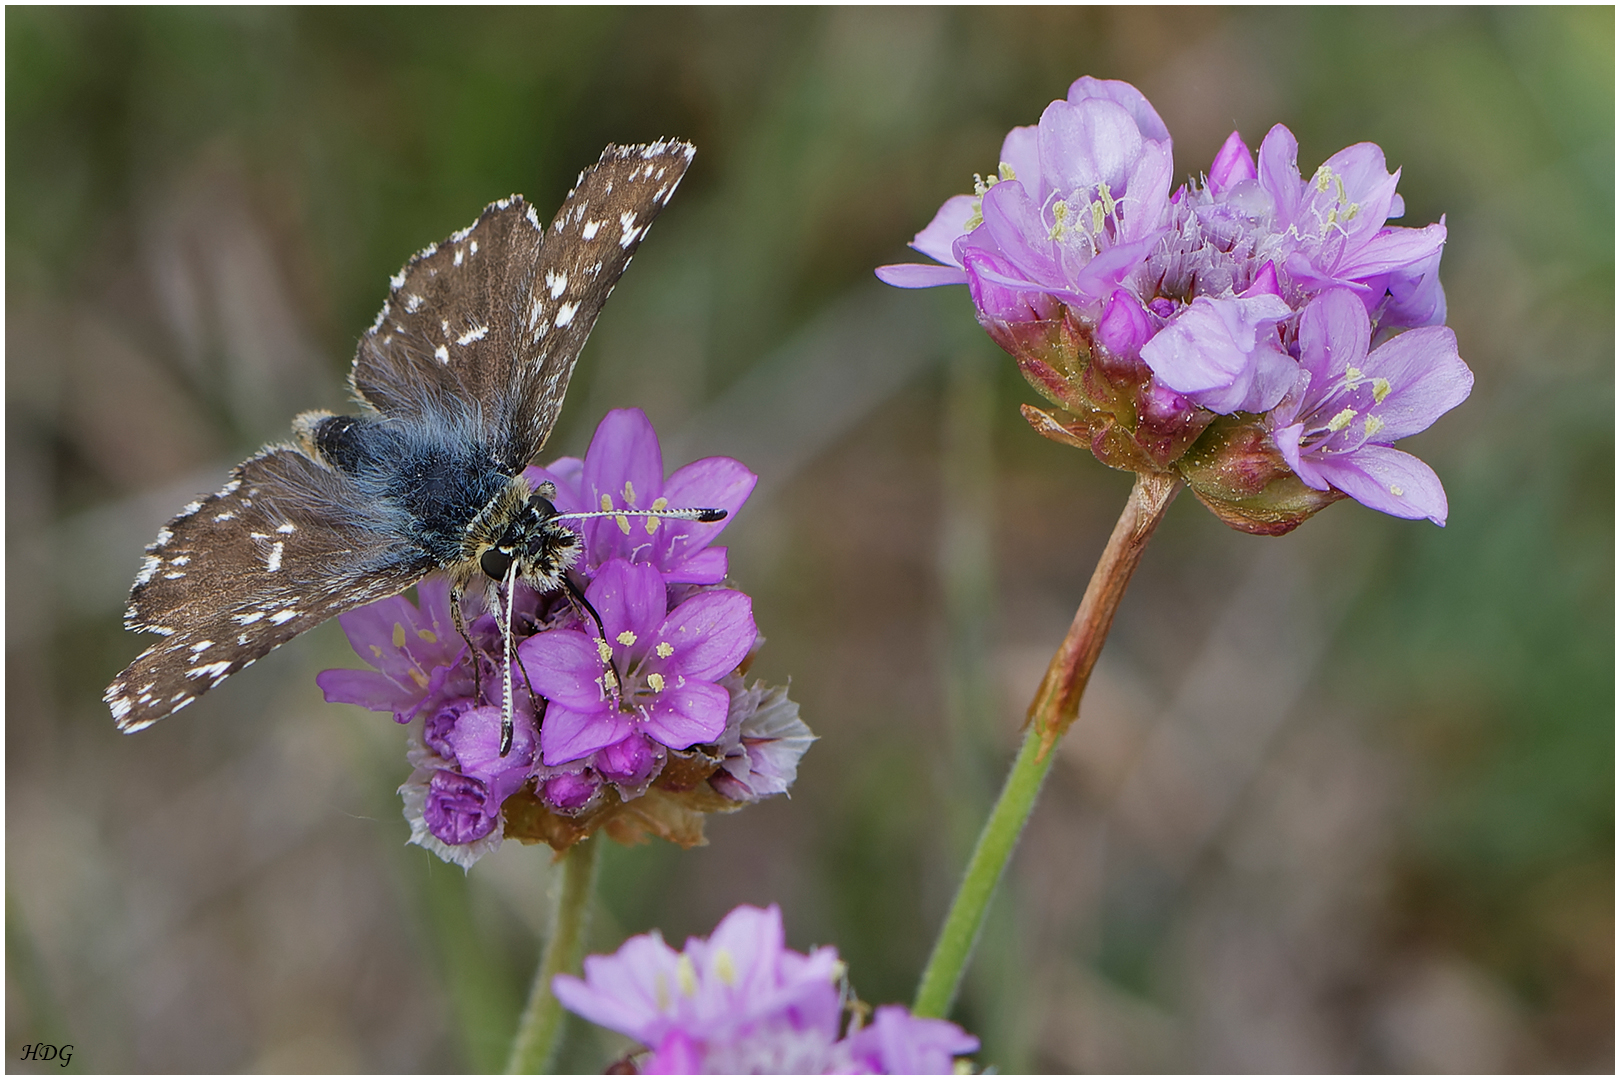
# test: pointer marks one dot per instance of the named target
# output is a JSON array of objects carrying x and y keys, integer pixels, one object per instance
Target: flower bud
[{"x": 1236, "y": 470}]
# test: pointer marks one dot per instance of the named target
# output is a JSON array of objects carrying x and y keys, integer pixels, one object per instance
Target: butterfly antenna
[{"x": 705, "y": 514}]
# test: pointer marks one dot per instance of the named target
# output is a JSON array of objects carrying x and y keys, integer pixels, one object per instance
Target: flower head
[
  {"x": 740, "y": 1001},
  {"x": 643, "y": 730},
  {"x": 1167, "y": 328}
]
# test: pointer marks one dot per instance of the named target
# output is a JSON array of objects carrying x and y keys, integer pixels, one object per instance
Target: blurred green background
[{"x": 1340, "y": 801}]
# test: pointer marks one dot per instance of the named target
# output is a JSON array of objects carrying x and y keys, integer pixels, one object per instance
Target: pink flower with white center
[{"x": 655, "y": 675}]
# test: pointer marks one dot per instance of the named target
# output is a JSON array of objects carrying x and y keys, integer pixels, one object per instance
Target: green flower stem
[
  {"x": 1056, "y": 705},
  {"x": 539, "y": 1031}
]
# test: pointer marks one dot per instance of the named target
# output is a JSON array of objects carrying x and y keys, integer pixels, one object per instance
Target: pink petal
[
  {"x": 564, "y": 667},
  {"x": 920, "y": 275},
  {"x": 710, "y": 633},
  {"x": 566, "y": 734},
  {"x": 949, "y": 222},
  {"x": 1389, "y": 480},
  {"x": 683, "y": 716}
]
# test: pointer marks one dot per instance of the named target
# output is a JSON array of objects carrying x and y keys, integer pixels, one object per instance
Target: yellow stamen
[
  {"x": 656, "y": 681},
  {"x": 627, "y": 638},
  {"x": 604, "y": 650},
  {"x": 629, "y": 494},
  {"x": 661, "y": 992},
  {"x": 624, "y": 523},
  {"x": 1341, "y": 421},
  {"x": 664, "y": 650},
  {"x": 686, "y": 976},
  {"x": 1380, "y": 390},
  {"x": 725, "y": 967},
  {"x": 1107, "y": 198},
  {"x": 1352, "y": 375},
  {"x": 607, "y": 501},
  {"x": 428, "y": 636},
  {"x": 1396, "y": 491},
  {"x": 399, "y": 635},
  {"x": 1097, "y": 217},
  {"x": 1372, "y": 426},
  {"x": 650, "y": 524},
  {"x": 660, "y": 503},
  {"x": 1006, "y": 171}
]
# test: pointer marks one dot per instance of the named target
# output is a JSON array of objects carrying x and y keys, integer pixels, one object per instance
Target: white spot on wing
[
  {"x": 442, "y": 355},
  {"x": 397, "y": 281},
  {"x": 283, "y": 615},
  {"x": 627, "y": 221},
  {"x": 534, "y": 220},
  {"x": 202, "y": 646},
  {"x": 457, "y": 260},
  {"x": 591, "y": 229},
  {"x": 556, "y": 283},
  {"x": 475, "y": 334},
  {"x": 250, "y": 618},
  {"x": 412, "y": 302},
  {"x": 273, "y": 563},
  {"x": 289, "y": 527},
  {"x": 215, "y": 671},
  {"x": 565, "y": 314}
]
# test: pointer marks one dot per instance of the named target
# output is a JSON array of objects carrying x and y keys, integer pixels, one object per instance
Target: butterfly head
[{"x": 542, "y": 547}]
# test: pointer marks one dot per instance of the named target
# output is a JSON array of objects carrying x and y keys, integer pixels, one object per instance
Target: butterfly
[{"x": 458, "y": 382}]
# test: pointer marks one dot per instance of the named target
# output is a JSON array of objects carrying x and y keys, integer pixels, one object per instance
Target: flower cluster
[
  {"x": 1266, "y": 336},
  {"x": 641, "y": 725},
  {"x": 741, "y": 1002}
]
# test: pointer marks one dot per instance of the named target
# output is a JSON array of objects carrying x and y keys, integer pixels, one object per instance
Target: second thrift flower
[{"x": 740, "y": 1001}]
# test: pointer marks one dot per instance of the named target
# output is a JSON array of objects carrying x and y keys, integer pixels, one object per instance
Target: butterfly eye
[{"x": 495, "y": 563}]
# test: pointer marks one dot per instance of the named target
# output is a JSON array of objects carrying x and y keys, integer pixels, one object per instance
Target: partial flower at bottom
[{"x": 740, "y": 1001}]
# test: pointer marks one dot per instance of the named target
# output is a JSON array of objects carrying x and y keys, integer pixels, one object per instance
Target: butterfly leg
[
  {"x": 457, "y": 591},
  {"x": 506, "y": 651},
  {"x": 603, "y": 648}
]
